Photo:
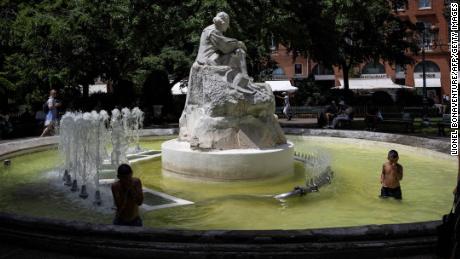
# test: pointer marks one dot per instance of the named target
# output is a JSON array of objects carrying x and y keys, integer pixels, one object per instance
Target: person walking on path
[
  {"x": 50, "y": 108},
  {"x": 287, "y": 106}
]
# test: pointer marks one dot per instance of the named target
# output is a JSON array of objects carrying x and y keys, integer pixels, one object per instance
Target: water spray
[
  {"x": 320, "y": 174},
  {"x": 83, "y": 141}
]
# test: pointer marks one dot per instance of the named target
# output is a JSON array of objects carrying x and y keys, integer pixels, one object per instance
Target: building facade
[{"x": 381, "y": 75}]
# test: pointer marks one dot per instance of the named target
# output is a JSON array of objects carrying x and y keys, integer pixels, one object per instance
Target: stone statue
[
  {"x": 218, "y": 50},
  {"x": 225, "y": 109}
]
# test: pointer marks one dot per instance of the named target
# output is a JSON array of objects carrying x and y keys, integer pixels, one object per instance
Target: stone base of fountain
[{"x": 234, "y": 164}]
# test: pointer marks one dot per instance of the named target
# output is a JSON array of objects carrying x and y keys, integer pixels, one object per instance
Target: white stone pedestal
[{"x": 234, "y": 164}]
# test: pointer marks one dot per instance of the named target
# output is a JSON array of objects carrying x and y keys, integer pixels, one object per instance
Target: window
[
  {"x": 430, "y": 37},
  {"x": 373, "y": 68},
  {"x": 320, "y": 69},
  {"x": 400, "y": 69},
  {"x": 400, "y": 6},
  {"x": 298, "y": 69},
  {"x": 430, "y": 67},
  {"x": 278, "y": 71},
  {"x": 424, "y": 4},
  {"x": 400, "y": 73}
]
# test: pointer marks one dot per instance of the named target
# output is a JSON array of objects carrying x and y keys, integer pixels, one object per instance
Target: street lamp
[{"x": 421, "y": 27}]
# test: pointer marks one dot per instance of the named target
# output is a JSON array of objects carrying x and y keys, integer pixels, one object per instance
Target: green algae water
[{"x": 351, "y": 200}]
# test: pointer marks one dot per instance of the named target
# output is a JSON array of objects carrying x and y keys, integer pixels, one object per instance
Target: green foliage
[
  {"x": 69, "y": 44},
  {"x": 145, "y": 45},
  {"x": 346, "y": 32}
]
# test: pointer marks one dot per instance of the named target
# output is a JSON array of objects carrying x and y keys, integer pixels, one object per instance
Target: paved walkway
[{"x": 311, "y": 123}]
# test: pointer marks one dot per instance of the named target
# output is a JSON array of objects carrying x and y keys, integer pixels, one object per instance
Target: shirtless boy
[
  {"x": 392, "y": 173},
  {"x": 128, "y": 196}
]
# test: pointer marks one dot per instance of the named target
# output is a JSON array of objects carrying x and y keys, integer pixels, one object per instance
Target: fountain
[
  {"x": 319, "y": 173},
  {"x": 83, "y": 146},
  {"x": 119, "y": 141},
  {"x": 228, "y": 122},
  {"x": 352, "y": 199},
  {"x": 136, "y": 124},
  {"x": 227, "y": 132},
  {"x": 350, "y": 209}
]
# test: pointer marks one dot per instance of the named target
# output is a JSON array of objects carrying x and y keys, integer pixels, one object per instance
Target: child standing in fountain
[
  {"x": 392, "y": 174},
  {"x": 128, "y": 196}
]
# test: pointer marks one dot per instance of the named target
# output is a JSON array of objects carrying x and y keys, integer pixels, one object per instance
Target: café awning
[
  {"x": 97, "y": 88},
  {"x": 276, "y": 86},
  {"x": 371, "y": 84},
  {"x": 281, "y": 86},
  {"x": 430, "y": 82},
  {"x": 177, "y": 90}
]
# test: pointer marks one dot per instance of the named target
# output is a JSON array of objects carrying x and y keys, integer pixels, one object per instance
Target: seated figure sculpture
[
  {"x": 224, "y": 108},
  {"x": 218, "y": 50}
]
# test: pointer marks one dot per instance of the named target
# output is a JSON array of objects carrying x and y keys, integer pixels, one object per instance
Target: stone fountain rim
[
  {"x": 18, "y": 146},
  {"x": 368, "y": 240},
  {"x": 76, "y": 237}
]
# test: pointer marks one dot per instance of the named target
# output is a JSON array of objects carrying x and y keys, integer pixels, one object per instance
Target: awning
[
  {"x": 371, "y": 84},
  {"x": 277, "y": 86},
  {"x": 281, "y": 86},
  {"x": 324, "y": 77},
  {"x": 177, "y": 90},
  {"x": 97, "y": 88},
  {"x": 430, "y": 82}
]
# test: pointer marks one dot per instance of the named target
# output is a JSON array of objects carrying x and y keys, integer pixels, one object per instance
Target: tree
[
  {"x": 72, "y": 43},
  {"x": 346, "y": 33},
  {"x": 8, "y": 13}
]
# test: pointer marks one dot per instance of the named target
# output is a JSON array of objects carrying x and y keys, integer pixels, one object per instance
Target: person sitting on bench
[
  {"x": 344, "y": 114},
  {"x": 330, "y": 113},
  {"x": 373, "y": 117}
]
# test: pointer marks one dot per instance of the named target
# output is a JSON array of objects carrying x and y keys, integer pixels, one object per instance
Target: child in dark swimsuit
[{"x": 392, "y": 174}]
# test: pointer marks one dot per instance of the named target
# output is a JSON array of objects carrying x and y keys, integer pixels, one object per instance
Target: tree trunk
[
  {"x": 345, "y": 70},
  {"x": 85, "y": 91}
]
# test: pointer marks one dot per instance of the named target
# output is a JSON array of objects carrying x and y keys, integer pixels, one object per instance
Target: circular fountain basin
[
  {"x": 234, "y": 164},
  {"x": 27, "y": 187},
  {"x": 346, "y": 217}
]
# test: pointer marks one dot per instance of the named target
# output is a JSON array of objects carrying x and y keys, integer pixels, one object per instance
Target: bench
[
  {"x": 418, "y": 111},
  {"x": 344, "y": 123},
  {"x": 341, "y": 121},
  {"x": 443, "y": 124},
  {"x": 404, "y": 119},
  {"x": 301, "y": 111}
]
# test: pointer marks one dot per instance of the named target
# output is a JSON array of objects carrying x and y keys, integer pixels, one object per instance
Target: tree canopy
[
  {"x": 146, "y": 46},
  {"x": 346, "y": 33},
  {"x": 72, "y": 43}
]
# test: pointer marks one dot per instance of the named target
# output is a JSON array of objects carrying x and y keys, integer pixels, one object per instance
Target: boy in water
[
  {"x": 128, "y": 196},
  {"x": 392, "y": 173}
]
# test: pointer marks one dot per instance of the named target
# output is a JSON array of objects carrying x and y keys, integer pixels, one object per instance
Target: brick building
[{"x": 382, "y": 75}]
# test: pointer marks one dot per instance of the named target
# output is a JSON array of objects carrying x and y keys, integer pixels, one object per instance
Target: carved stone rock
[{"x": 226, "y": 110}]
